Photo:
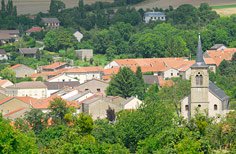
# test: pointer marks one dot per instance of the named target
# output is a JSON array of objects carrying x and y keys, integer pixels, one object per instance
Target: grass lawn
[{"x": 224, "y": 6}]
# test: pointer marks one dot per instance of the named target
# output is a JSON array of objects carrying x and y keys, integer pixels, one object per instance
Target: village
[
  {"x": 117, "y": 77},
  {"x": 85, "y": 87}
]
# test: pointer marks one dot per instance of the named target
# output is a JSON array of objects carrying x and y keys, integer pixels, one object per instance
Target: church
[{"x": 205, "y": 96}]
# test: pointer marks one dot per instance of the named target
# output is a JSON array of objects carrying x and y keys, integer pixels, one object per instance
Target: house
[
  {"x": 51, "y": 23},
  {"x": 33, "y": 30},
  {"x": 53, "y": 87},
  {"x": 219, "y": 55},
  {"x": 28, "y": 52},
  {"x": 16, "y": 107},
  {"x": 61, "y": 78},
  {"x": 35, "y": 89},
  {"x": 97, "y": 105},
  {"x": 211, "y": 63},
  {"x": 54, "y": 66},
  {"x": 84, "y": 54},
  {"x": 78, "y": 36},
  {"x": 3, "y": 55},
  {"x": 5, "y": 83},
  {"x": 218, "y": 47},
  {"x": 84, "y": 74},
  {"x": 154, "y": 16},
  {"x": 205, "y": 96},
  {"x": 22, "y": 71},
  {"x": 8, "y": 36},
  {"x": 94, "y": 85}
]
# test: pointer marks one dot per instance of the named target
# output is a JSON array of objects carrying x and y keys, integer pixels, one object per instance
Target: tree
[
  {"x": 111, "y": 116},
  {"x": 36, "y": 119},
  {"x": 59, "y": 39},
  {"x": 14, "y": 141},
  {"x": 141, "y": 88},
  {"x": 123, "y": 84},
  {"x": 39, "y": 78},
  {"x": 56, "y": 6},
  {"x": 59, "y": 111},
  {"x": 8, "y": 74}
]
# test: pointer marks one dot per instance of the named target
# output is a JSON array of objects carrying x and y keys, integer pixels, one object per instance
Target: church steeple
[{"x": 199, "y": 59}]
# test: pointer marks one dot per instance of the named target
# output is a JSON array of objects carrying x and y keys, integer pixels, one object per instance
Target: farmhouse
[
  {"x": 28, "y": 52},
  {"x": 51, "y": 23},
  {"x": 22, "y": 71}
]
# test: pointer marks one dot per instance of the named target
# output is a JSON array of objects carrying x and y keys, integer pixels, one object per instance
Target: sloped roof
[
  {"x": 59, "y": 75},
  {"x": 154, "y": 14},
  {"x": 28, "y": 50},
  {"x": 10, "y": 32},
  {"x": 216, "y": 46},
  {"x": 14, "y": 111},
  {"x": 217, "y": 91},
  {"x": 50, "y": 20},
  {"x": 2, "y": 52},
  {"x": 219, "y": 55},
  {"x": 54, "y": 65},
  {"x": 85, "y": 69},
  {"x": 4, "y": 36},
  {"x": 60, "y": 85},
  {"x": 34, "y": 29},
  {"x": 20, "y": 65},
  {"x": 164, "y": 83},
  {"x": 28, "y": 85}
]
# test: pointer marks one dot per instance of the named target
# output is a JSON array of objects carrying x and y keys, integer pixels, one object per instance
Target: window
[
  {"x": 86, "y": 89},
  {"x": 98, "y": 90},
  {"x": 215, "y": 107},
  {"x": 177, "y": 73},
  {"x": 199, "y": 79},
  {"x": 171, "y": 74},
  {"x": 199, "y": 105},
  {"x": 63, "y": 80},
  {"x": 186, "y": 107}
]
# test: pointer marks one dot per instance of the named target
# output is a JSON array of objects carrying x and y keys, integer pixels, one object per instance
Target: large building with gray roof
[
  {"x": 205, "y": 96},
  {"x": 154, "y": 16}
]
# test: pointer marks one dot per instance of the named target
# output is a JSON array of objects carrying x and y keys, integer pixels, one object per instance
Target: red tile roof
[
  {"x": 16, "y": 66},
  {"x": 14, "y": 111},
  {"x": 34, "y": 29},
  {"x": 219, "y": 55},
  {"x": 2, "y": 82},
  {"x": 5, "y": 100},
  {"x": 54, "y": 65}
]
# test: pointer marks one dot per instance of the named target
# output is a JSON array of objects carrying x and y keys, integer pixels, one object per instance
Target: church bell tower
[{"x": 199, "y": 83}]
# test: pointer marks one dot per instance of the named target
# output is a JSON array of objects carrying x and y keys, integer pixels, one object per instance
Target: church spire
[{"x": 199, "y": 59}]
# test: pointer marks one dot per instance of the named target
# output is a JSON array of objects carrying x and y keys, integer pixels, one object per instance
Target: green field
[{"x": 224, "y": 6}]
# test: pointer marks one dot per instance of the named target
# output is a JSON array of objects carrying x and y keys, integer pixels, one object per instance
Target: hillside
[
  {"x": 176, "y": 3},
  {"x": 34, "y": 6}
]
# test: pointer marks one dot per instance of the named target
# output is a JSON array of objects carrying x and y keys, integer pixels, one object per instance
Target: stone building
[{"x": 205, "y": 96}]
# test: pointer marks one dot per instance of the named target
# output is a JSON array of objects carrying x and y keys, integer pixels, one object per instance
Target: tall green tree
[
  {"x": 141, "y": 88},
  {"x": 123, "y": 84}
]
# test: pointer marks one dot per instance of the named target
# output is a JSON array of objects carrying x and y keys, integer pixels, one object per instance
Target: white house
[
  {"x": 61, "y": 78},
  {"x": 84, "y": 74},
  {"x": 154, "y": 16},
  {"x": 131, "y": 104},
  {"x": 35, "y": 89}
]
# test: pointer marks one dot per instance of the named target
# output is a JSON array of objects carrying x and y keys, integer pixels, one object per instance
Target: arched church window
[
  {"x": 215, "y": 107},
  {"x": 199, "y": 79},
  {"x": 186, "y": 107}
]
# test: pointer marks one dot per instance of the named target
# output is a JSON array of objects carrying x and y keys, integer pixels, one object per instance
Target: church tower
[{"x": 199, "y": 83}]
